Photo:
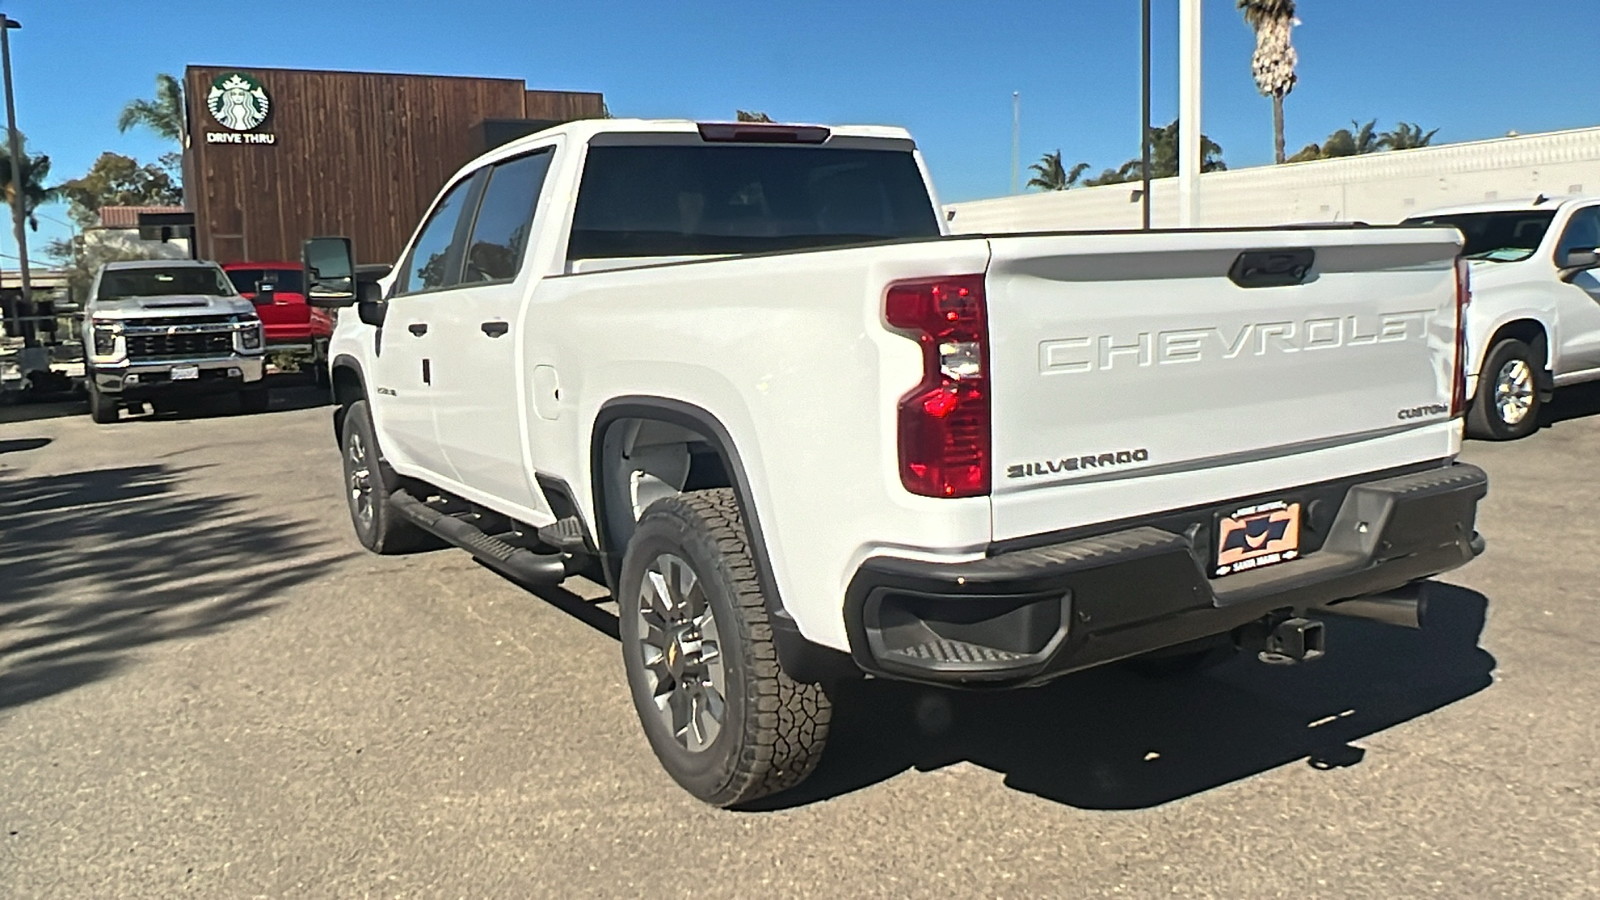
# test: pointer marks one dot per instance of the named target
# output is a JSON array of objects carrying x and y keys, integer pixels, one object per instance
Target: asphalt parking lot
[{"x": 208, "y": 689}]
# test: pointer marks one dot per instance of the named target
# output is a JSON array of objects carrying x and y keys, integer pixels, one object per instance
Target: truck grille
[{"x": 180, "y": 345}]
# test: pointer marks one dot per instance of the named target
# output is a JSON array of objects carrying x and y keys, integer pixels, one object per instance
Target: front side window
[
  {"x": 154, "y": 281},
  {"x": 427, "y": 268},
  {"x": 505, "y": 218},
  {"x": 1583, "y": 233}
]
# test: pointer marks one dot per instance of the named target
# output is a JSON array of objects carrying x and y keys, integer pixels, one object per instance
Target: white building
[{"x": 1378, "y": 188}]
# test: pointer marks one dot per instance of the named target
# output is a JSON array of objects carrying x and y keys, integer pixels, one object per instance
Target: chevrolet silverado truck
[
  {"x": 163, "y": 331},
  {"x": 742, "y": 375},
  {"x": 292, "y": 326},
  {"x": 1535, "y": 323}
]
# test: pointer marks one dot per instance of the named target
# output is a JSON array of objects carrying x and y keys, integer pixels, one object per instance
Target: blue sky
[{"x": 943, "y": 68}]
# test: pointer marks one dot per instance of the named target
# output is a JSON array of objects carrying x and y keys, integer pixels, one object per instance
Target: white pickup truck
[
  {"x": 1535, "y": 322},
  {"x": 742, "y": 375}
]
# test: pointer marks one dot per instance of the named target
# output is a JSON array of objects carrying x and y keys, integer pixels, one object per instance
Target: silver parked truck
[{"x": 161, "y": 331}]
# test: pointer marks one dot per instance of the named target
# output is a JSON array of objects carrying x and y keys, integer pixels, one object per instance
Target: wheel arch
[
  {"x": 802, "y": 659},
  {"x": 349, "y": 384},
  {"x": 1531, "y": 331}
]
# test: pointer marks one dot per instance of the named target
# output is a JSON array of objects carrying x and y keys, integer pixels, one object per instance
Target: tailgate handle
[{"x": 1272, "y": 268}]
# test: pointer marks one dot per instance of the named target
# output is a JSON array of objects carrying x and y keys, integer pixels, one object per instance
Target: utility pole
[
  {"x": 1016, "y": 138},
  {"x": 25, "y": 311},
  {"x": 1144, "y": 108},
  {"x": 1189, "y": 113}
]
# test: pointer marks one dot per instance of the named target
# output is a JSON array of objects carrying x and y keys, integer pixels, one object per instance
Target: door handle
[
  {"x": 418, "y": 328},
  {"x": 494, "y": 329}
]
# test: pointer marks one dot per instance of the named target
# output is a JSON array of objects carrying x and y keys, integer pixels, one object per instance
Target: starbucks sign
[{"x": 238, "y": 101}]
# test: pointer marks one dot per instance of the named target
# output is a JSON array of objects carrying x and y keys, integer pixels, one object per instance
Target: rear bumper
[{"x": 1029, "y": 615}]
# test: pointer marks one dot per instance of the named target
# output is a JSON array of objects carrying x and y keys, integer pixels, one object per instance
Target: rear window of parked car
[{"x": 681, "y": 200}]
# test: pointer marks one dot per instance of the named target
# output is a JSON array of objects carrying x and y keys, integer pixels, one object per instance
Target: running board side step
[{"x": 525, "y": 566}]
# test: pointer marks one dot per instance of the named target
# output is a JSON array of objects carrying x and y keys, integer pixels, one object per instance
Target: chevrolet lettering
[{"x": 1192, "y": 345}]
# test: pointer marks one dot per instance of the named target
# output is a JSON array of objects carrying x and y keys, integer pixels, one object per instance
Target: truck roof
[
  {"x": 586, "y": 129},
  {"x": 1526, "y": 204}
]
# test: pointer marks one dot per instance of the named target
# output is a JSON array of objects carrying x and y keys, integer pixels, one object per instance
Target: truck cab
[
  {"x": 1535, "y": 320},
  {"x": 292, "y": 326}
]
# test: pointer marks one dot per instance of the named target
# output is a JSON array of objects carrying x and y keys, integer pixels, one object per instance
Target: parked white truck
[
  {"x": 742, "y": 375},
  {"x": 1535, "y": 322},
  {"x": 167, "y": 330}
]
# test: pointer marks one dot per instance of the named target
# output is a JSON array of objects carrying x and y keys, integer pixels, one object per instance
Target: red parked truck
[{"x": 278, "y": 292}]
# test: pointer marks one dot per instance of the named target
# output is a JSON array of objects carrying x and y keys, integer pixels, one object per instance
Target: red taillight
[
  {"x": 1458, "y": 394},
  {"x": 944, "y": 421}
]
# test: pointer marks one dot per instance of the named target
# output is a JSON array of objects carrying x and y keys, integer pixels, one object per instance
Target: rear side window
[
  {"x": 683, "y": 200},
  {"x": 505, "y": 217},
  {"x": 248, "y": 281},
  {"x": 427, "y": 268}
]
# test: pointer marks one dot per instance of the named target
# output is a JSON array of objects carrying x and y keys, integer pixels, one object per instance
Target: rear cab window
[{"x": 665, "y": 195}]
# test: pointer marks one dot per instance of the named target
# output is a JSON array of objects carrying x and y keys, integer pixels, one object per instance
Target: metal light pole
[
  {"x": 25, "y": 312},
  {"x": 1144, "y": 117},
  {"x": 1016, "y": 138},
  {"x": 1189, "y": 113}
]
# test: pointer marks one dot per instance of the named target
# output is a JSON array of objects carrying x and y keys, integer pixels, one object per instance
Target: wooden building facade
[{"x": 278, "y": 155}]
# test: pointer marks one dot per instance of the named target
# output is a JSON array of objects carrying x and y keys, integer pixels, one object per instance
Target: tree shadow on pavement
[
  {"x": 98, "y": 564},
  {"x": 1110, "y": 739}
]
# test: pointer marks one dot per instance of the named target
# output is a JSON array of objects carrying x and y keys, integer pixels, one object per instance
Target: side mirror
[
  {"x": 370, "y": 305},
  {"x": 330, "y": 272},
  {"x": 1578, "y": 261}
]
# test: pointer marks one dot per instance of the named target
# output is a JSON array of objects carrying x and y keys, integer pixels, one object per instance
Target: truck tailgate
[{"x": 1132, "y": 375}]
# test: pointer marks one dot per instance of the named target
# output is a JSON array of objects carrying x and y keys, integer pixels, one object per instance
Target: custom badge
[
  {"x": 238, "y": 101},
  {"x": 1256, "y": 536}
]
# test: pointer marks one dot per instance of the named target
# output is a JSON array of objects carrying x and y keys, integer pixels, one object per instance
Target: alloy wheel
[
  {"x": 1513, "y": 391},
  {"x": 360, "y": 478},
  {"x": 682, "y": 652}
]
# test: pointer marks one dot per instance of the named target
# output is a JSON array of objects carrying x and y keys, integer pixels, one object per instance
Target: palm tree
[
  {"x": 35, "y": 169},
  {"x": 1406, "y": 136},
  {"x": 164, "y": 114},
  {"x": 1053, "y": 176},
  {"x": 1274, "y": 61}
]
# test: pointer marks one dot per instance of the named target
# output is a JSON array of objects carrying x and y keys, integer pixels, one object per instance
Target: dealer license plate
[
  {"x": 1262, "y": 535},
  {"x": 185, "y": 373}
]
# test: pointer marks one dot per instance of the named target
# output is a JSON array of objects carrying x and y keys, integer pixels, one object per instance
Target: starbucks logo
[{"x": 238, "y": 101}]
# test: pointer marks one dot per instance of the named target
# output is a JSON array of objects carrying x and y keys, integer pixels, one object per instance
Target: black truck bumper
[{"x": 1028, "y": 615}]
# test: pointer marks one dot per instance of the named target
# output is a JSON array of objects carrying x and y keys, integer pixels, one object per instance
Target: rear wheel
[
  {"x": 368, "y": 483},
  {"x": 722, "y": 717},
  {"x": 102, "y": 409},
  {"x": 1507, "y": 406}
]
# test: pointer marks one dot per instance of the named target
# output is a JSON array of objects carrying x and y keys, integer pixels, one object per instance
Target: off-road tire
[
  {"x": 774, "y": 728},
  {"x": 1484, "y": 419},
  {"x": 385, "y": 531},
  {"x": 102, "y": 409}
]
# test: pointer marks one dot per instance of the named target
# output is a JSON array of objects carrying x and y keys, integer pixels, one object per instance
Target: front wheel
[
  {"x": 102, "y": 409},
  {"x": 722, "y": 717},
  {"x": 1507, "y": 406},
  {"x": 368, "y": 483}
]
